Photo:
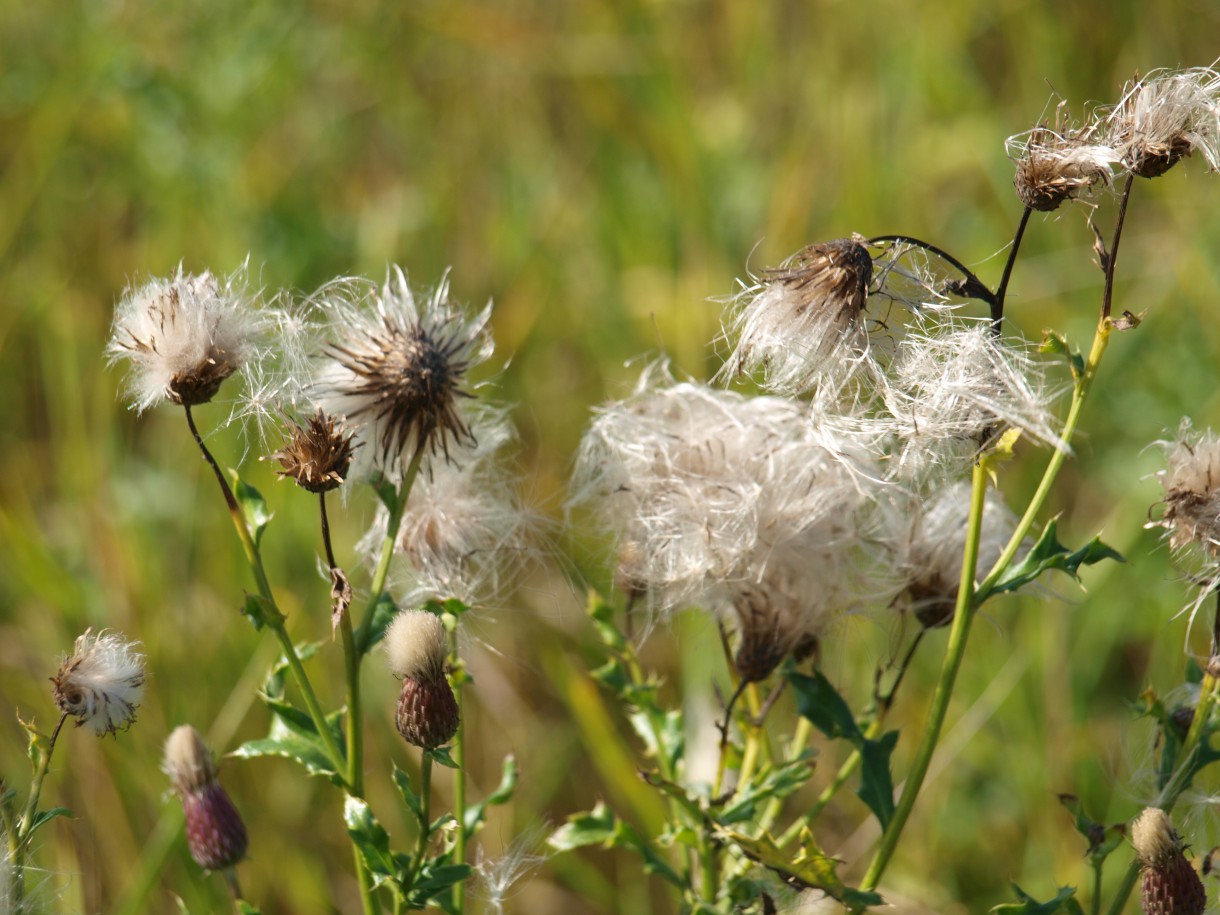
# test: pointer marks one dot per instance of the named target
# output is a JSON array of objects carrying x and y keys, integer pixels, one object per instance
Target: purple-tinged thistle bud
[
  {"x": 1171, "y": 886},
  {"x": 101, "y": 683},
  {"x": 317, "y": 454},
  {"x": 215, "y": 832},
  {"x": 427, "y": 714}
]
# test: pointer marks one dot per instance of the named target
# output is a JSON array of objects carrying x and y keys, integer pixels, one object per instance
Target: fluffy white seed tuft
[
  {"x": 101, "y": 683},
  {"x": 416, "y": 646}
]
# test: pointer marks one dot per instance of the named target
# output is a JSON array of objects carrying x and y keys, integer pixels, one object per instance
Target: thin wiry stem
[
  {"x": 1112, "y": 255},
  {"x": 972, "y": 288},
  {"x": 997, "y": 305}
]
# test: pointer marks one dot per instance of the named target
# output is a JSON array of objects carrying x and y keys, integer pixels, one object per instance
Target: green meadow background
[{"x": 603, "y": 171}]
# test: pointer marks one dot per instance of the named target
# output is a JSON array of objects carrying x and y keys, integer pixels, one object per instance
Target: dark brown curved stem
[
  {"x": 997, "y": 306},
  {"x": 230, "y": 499},
  {"x": 1112, "y": 254},
  {"x": 971, "y": 288}
]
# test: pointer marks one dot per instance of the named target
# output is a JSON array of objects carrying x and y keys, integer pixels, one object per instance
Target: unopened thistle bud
[
  {"x": 1171, "y": 886},
  {"x": 215, "y": 832},
  {"x": 1164, "y": 118},
  {"x": 1052, "y": 166},
  {"x": 800, "y": 324},
  {"x": 396, "y": 371},
  {"x": 101, "y": 683},
  {"x": 184, "y": 337},
  {"x": 317, "y": 454},
  {"x": 416, "y": 644}
]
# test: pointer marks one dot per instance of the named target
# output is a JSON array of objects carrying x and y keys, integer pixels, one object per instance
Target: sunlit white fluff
[
  {"x": 416, "y": 645},
  {"x": 1166, "y": 116},
  {"x": 102, "y": 682}
]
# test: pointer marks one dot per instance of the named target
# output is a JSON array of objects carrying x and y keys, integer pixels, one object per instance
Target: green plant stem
[
  {"x": 1125, "y": 888},
  {"x": 459, "y": 774},
  {"x": 963, "y": 616},
  {"x": 274, "y": 619},
  {"x": 19, "y": 838},
  {"x": 393, "y": 523},
  {"x": 1095, "y": 904},
  {"x": 425, "y": 817},
  {"x": 755, "y": 737}
]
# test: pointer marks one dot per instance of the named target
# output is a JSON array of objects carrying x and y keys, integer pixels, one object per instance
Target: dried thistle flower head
[
  {"x": 101, "y": 683},
  {"x": 1191, "y": 483},
  {"x": 466, "y": 532},
  {"x": 317, "y": 453},
  {"x": 215, "y": 832},
  {"x": 1171, "y": 886},
  {"x": 184, "y": 336},
  {"x": 416, "y": 646},
  {"x": 801, "y": 323},
  {"x": 395, "y": 369},
  {"x": 1053, "y": 166},
  {"x": 1165, "y": 117}
]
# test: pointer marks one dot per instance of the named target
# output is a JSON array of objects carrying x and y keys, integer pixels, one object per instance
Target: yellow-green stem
[
  {"x": 755, "y": 737},
  {"x": 459, "y": 774},
  {"x": 19, "y": 838},
  {"x": 963, "y": 616}
]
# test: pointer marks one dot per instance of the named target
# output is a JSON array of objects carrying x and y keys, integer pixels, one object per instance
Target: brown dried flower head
[
  {"x": 1165, "y": 117},
  {"x": 1191, "y": 482},
  {"x": 1054, "y": 166},
  {"x": 318, "y": 453}
]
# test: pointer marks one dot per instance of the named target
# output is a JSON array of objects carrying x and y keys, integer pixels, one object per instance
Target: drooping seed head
[
  {"x": 1164, "y": 118},
  {"x": 1053, "y": 166},
  {"x": 101, "y": 683}
]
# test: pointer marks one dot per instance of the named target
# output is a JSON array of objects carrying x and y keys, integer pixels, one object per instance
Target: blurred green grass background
[{"x": 599, "y": 169}]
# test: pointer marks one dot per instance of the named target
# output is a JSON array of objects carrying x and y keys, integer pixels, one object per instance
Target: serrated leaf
[
  {"x": 593, "y": 827},
  {"x": 369, "y": 837},
  {"x": 384, "y": 612},
  {"x": 811, "y": 868},
  {"x": 817, "y": 700},
  {"x": 1048, "y": 554},
  {"x": 441, "y": 755},
  {"x": 409, "y": 797},
  {"x": 43, "y": 817},
  {"x": 775, "y": 783},
  {"x": 253, "y": 507},
  {"x": 303, "y": 746},
  {"x": 1102, "y": 840},
  {"x": 435, "y": 878},
  {"x": 1027, "y": 905}
]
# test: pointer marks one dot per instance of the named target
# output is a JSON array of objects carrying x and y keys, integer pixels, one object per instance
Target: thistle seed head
[
  {"x": 101, "y": 683},
  {"x": 1165, "y": 117},
  {"x": 1171, "y": 886},
  {"x": 416, "y": 645},
  {"x": 396, "y": 369},
  {"x": 184, "y": 336},
  {"x": 215, "y": 832},
  {"x": 800, "y": 324},
  {"x": 317, "y": 453},
  {"x": 1191, "y": 483},
  {"x": 1053, "y": 166}
]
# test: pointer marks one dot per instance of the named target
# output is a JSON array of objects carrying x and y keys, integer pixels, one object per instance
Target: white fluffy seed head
[
  {"x": 1154, "y": 837},
  {"x": 1165, "y": 117},
  {"x": 801, "y": 325},
  {"x": 101, "y": 683},
  {"x": 416, "y": 646},
  {"x": 466, "y": 532},
  {"x": 188, "y": 761},
  {"x": 1055, "y": 165},
  {"x": 1191, "y": 483},
  {"x": 395, "y": 368},
  {"x": 184, "y": 336},
  {"x": 952, "y": 391}
]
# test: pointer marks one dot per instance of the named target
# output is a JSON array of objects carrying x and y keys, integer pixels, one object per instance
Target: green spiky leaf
[
  {"x": 1065, "y": 902},
  {"x": 1048, "y": 554}
]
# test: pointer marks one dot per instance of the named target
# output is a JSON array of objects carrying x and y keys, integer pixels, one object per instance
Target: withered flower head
[
  {"x": 416, "y": 646},
  {"x": 1165, "y": 117},
  {"x": 317, "y": 454},
  {"x": 801, "y": 323},
  {"x": 397, "y": 367},
  {"x": 1191, "y": 482},
  {"x": 101, "y": 683},
  {"x": 215, "y": 832},
  {"x": 1170, "y": 885},
  {"x": 184, "y": 336},
  {"x": 1053, "y": 166}
]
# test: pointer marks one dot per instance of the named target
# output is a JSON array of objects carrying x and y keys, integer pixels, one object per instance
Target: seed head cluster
[{"x": 101, "y": 683}]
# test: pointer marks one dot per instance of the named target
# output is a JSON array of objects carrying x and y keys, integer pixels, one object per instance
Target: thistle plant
[{"x": 867, "y": 479}]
